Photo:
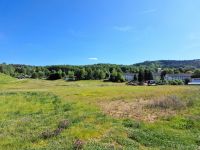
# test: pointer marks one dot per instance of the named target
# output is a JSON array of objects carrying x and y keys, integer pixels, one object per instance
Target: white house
[
  {"x": 195, "y": 81},
  {"x": 129, "y": 76},
  {"x": 181, "y": 76}
]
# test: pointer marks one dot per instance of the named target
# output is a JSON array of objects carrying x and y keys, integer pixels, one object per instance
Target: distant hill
[{"x": 172, "y": 63}]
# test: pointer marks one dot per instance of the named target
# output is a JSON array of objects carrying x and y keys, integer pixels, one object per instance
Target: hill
[{"x": 172, "y": 63}]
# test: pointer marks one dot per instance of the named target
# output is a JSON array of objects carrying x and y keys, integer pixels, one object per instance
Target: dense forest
[
  {"x": 110, "y": 72},
  {"x": 187, "y": 64}
]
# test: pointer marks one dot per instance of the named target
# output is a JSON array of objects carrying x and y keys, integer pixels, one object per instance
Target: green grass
[
  {"x": 5, "y": 78},
  {"x": 28, "y": 108}
]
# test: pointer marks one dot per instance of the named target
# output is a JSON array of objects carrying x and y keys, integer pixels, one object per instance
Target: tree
[
  {"x": 141, "y": 76},
  {"x": 71, "y": 76},
  {"x": 150, "y": 75},
  {"x": 102, "y": 75},
  {"x": 146, "y": 75},
  {"x": 60, "y": 73},
  {"x": 34, "y": 75},
  {"x": 54, "y": 76},
  {"x": 162, "y": 76},
  {"x": 120, "y": 77},
  {"x": 64, "y": 74},
  {"x": 40, "y": 74},
  {"x": 83, "y": 74},
  {"x": 90, "y": 74},
  {"x": 113, "y": 76},
  {"x": 186, "y": 81},
  {"x": 196, "y": 74}
]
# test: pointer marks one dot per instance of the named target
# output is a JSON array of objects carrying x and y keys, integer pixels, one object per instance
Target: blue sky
[{"x": 44, "y": 32}]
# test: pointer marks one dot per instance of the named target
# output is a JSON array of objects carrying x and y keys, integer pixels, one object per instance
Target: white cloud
[
  {"x": 148, "y": 11},
  {"x": 123, "y": 28},
  {"x": 93, "y": 58}
]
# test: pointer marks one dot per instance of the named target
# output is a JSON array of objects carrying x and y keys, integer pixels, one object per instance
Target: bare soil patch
[{"x": 138, "y": 109}]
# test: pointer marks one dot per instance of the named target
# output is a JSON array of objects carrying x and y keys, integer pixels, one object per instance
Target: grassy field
[{"x": 93, "y": 115}]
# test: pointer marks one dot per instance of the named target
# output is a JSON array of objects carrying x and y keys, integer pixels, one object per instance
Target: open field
[{"x": 93, "y": 115}]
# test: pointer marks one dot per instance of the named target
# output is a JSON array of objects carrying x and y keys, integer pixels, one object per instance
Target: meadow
[{"x": 97, "y": 115}]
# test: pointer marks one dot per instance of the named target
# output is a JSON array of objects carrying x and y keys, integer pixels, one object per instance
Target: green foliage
[
  {"x": 34, "y": 75},
  {"x": 196, "y": 74},
  {"x": 175, "y": 82},
  {"x": 54, "y": 76},
  {"x": 102, "y": 71},
  {"x": 186, "y": 81},
  {"x": 116, "y": 76},
  {"x": 141, "y": 76},
  {"x": 131, "y": 123}
]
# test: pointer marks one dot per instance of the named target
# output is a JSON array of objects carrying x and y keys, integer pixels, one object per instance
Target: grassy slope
[
  {"x": 28, "y": 108},
  {"x": 5, "y": 78}
]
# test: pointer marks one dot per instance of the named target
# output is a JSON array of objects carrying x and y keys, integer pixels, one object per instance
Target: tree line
[{"x": 110, "y": 72}]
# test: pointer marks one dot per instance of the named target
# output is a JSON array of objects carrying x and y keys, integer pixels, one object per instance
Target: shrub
[
  {"x": 176, "y": 82},
  {"x": 186, "y": 81}
]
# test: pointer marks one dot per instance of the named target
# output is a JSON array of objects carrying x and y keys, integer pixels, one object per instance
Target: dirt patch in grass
[
  {"x": 145, "y": 110},
  {"x": 61, "y": 126}
]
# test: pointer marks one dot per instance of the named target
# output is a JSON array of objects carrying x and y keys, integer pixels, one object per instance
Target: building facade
[
  {"x": 129, "y": 76},
  {"x": 195, "y": 81},
  {"x": 181, "y": 76}
]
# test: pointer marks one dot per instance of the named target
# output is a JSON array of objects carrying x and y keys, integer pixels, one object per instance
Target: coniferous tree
[{"x": 141, "y": 76}]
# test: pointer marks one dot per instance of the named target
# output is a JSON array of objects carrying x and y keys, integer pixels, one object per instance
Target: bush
[
  {"x": 176, "y": 82},
  {"x": 162, "y": 82}
]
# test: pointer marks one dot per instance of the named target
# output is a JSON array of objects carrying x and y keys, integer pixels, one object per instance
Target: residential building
[
  {"x": 129, "y": 76},
  {"x": 181, "y": 76},
  {"x": 195, "y": 81}
]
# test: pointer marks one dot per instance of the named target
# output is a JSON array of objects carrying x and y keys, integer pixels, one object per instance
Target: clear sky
[{"x": 44, "y": 32}]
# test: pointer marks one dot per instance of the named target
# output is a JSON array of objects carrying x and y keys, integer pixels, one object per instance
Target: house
[
  {"x": 195, "y": 81},
  {"x": 129, "y": 76},
  {"x": 181, "y": 76}
]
